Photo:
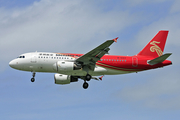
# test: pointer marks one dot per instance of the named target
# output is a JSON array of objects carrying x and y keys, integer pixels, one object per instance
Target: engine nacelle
[
  {"x": 64, "y": 79},
  {"x": 66, "y": 66}
]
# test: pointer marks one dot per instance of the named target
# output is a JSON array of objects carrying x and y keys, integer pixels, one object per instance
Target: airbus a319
[{"x": 69, "y": 67}]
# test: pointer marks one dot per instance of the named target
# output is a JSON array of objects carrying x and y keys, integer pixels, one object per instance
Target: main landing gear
[
  {"x": 33, "y": 79},
  {"x": 87, "y": 78},
  {"x": 85, "y": 85}
]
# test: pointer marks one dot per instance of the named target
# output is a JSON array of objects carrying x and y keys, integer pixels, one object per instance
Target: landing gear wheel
[
  {"x": 85, "y": 85},
  {"x": 88, "y": 77},
  {"x": 32, "y": 79},
  {"x": 33, "y": 75}
]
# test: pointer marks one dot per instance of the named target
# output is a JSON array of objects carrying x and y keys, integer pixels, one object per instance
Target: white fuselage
[{"x": 46, "y": 62}]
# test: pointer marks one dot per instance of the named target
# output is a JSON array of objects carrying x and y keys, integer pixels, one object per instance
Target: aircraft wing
[{"x": 89, "y": 59}]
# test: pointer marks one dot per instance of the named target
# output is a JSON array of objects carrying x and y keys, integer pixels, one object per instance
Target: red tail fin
[{"x": 155, "y": 47}]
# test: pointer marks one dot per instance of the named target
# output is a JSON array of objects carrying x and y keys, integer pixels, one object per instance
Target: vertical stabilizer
[{"x": 155, "y": 47}]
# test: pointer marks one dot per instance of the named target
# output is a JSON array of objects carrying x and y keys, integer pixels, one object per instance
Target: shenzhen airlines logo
[{"x": 156, "y": 48}]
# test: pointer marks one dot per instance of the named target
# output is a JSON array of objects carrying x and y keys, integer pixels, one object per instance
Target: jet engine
[
  {"x": 66, "y": 66},
  {"x": 64, "y": 79}
]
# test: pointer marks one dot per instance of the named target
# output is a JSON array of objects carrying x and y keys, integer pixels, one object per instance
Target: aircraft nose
[{"x": 12, "y": 64}]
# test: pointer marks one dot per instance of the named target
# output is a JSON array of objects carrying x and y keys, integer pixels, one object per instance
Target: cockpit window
[{"x": 21, "y": 57}]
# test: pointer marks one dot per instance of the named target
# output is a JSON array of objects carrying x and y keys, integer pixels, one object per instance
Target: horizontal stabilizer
[{"x": 159, "y": 59}]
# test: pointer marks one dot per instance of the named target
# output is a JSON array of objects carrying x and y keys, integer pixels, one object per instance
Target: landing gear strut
[{"x": 33, "y": 79}]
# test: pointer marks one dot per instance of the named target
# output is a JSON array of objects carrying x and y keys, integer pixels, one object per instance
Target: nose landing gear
[{"x": 33, "y": 79}]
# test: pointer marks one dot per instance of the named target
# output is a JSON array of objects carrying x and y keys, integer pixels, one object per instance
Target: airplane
[{"x": 69, "y": 67}]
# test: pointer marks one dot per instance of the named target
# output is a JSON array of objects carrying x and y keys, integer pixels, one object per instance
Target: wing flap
[{"x": 159, "y": 59}]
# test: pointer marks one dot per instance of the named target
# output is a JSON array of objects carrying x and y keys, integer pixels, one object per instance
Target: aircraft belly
[
  {"x": 97, "y": 72},
  {"x": 108, "y": 71},
  {"x": 73, "y": 72},
  {"x": 49, "y": 68}
]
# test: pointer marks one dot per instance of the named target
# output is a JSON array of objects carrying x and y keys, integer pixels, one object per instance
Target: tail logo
[{"x": 156, "y": 48}]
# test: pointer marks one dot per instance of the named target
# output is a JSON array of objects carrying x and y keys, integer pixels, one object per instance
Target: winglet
[
  {"x": 115, "y": 39},
  {"x": 101, "y": 77}
]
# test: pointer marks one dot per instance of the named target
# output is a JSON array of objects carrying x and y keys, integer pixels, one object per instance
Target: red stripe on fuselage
[
  {"x": 117, "y": 68},
  {"x": 123, "y": 63}
]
